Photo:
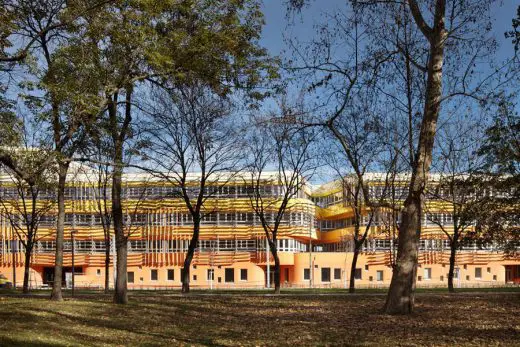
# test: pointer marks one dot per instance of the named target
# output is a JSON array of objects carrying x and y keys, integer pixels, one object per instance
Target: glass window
[
  {"x": 427, "y": 273},
  {"x": 229, "y": 275},
  {"x": 357, "y": 274},
  {"x": 306, "y": 274},
  {"x": 130, "y": 276},
  {"x": 478, "y": 272},
  {"x": 337, "y": 274},
  {"x": 211, "y": 275},
  {"x": 154, "y": 275},
  {"x": 243, "y": 274},
  {"x": 379, "y": 275},
  {"x": 325, "y": 274},
  {"x": 171, "y": 274}
]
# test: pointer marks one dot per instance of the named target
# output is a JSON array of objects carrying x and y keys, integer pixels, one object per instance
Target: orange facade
[{"x": 231, "y": 252}]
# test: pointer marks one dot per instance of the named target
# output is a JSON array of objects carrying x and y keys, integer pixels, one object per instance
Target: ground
[{"x": 245, "y": 319}]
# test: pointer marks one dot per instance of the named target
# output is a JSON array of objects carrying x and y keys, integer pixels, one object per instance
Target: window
[
  {"x": 306, "y": 274},
  {"x": 337, "y": 274},
  {"x": 478, "y": 272},
  {"x": 325, "y": 274},
  {"x": 194, "y": 277},
  {"x": 171, "y": 274},
  {"x": 211, "y": 275},
  {"x": 379, "y": 275},
  {"x": 130, "y": 276},
  {"x": 366, "y": 267},
  {"x": 427, "y": 273},
  {"x": 357, "y": 274},
  {"x": 98, "y": 272},
  {"x": 229, "y": 275},
  {"x": 243, "y": 274},
  {"x": 153, "y": 275},
  {"x": 489, "y": 270},
  {"x": 494, "y": 277},
  {"x": 442, "y": 278}
]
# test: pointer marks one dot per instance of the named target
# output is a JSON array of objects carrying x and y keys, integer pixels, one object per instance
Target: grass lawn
[{"x": 440, "y": 319}]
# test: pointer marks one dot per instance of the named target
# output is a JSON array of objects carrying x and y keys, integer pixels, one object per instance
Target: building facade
[{"x": 315, "y": 239}]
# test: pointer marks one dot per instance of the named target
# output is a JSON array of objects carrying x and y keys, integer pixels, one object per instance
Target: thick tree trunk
[
  {"x": 276, "y": 272},
  {"x": 189, "y": 256},
  {"x": 107, "y": 266},
  {"x": 352, "y": 283},
  {"x": 401, "y": 295},
  {"x": 60, "y": 231},
  {"x": 453, "y": 253},
  {"x": 27, "y": 269},
  {"x": 120, "y": 294}
]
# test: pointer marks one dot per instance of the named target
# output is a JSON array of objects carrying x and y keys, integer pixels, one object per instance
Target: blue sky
[{"x": 276, "y": 22}]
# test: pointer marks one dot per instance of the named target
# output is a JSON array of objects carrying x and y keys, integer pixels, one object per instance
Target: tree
[
  {"x": 275, "y": 142},
  {"x": 497, "y": 218},
  {"x": 99, "y": 175},
  {"x": 515, "y": 32},
  {"x": 26, "y": 204},
  {"x": 459, "y": 188},
  {"x": 191, "y": 130},
  {"x": 167, "y": 44},
  {"x": 428, "y": 56},
  {"x": 344, "y": 88}
]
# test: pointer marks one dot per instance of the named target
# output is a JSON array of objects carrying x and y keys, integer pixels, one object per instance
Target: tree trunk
[
  {"x": 27, "y": 269},
  {"x": 60, "y": 231},
  {"x": 352, "y": 283},
  {"x": 107, "y": 266},
  {"x": 189, "y": 256},
  {"x": 276, "y": 272},
  {"x": 453, "y": 251},
  {"x": 120, "y": 294},
  {"x": 401, "y": 294}
]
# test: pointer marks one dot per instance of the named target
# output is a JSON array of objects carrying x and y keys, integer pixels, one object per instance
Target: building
[{"x": 232, "y": 248}]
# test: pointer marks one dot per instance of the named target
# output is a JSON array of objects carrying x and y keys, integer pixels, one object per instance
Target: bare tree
[
  {"x": 26, "y": 204},
  {"x": 428, "y": 54},
  {"x": 459, "y": 187},
  {"x": 278, "y": 145},
  {"x": 193, "y": 147}
]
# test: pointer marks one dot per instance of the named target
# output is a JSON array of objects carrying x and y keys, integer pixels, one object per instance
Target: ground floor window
[
  {"x": 243, "y": 274},
  {"x": 337, "y": 274},
  {"x": 306, "y": 274},
  {"x": 211, "y": 275},
  {"x": 357, "y": 274},
  {"x": 154, "y": 275},
  {"x": 427, "y": 273},
  {"x": 478, "y": 272},
  {"x": 229, "y": 275},
  {"x": 325, "y": 274},
  {"x": 130, "y": 277},
  {"x": 171, "y": 275},
  {"x": 379, "y": 275}
]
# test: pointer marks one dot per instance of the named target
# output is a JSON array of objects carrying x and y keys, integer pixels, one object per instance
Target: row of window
[
  {"x": 385, "y": 219},
  {"x": 401, "y": 192},
  {"x": 179, "y": 219},
  {"x": 171, "y": 246},
  {"x": 254, "y": 245},
  {"x": 229, "y": 275},
  {"x": 82, "y": 192}
]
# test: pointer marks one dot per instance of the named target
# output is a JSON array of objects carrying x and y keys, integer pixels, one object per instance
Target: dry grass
[{"x": 440, "y": 319}]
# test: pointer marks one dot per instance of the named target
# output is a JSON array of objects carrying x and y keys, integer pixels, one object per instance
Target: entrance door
[
  {"x": 456, "y": 277},
  {"x": 509, "y": 274}
]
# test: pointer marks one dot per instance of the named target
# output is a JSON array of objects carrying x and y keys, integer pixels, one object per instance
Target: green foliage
[{"x": 515, "y": 33}]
